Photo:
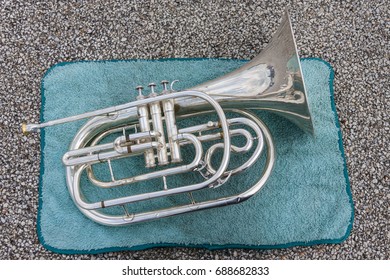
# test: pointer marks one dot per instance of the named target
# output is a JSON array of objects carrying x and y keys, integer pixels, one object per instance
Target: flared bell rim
[{"x": 271, "y": 81}]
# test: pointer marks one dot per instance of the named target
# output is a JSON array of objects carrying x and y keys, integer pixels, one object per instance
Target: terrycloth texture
[{"x": 306, "y": 201}]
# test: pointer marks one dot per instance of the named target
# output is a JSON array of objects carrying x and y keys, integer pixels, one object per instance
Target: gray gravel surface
[{"x": 352, "y": 35}]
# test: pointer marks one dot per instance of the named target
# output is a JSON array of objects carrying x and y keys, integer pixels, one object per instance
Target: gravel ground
[{"x": 352, "y": 35}]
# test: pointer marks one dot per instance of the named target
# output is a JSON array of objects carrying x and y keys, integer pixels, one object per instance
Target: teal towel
[{"x": 306, "y": 201}]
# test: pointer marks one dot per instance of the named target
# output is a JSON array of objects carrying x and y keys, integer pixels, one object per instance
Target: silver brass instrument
[{"x": 272, "y": 81}]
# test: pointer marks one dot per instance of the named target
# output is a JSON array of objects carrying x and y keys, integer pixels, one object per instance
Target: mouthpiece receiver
[
  {"x": 31, "y": 127},
  {"x": 24, "y": 129}
]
